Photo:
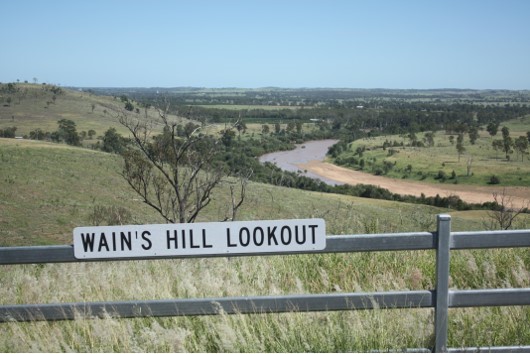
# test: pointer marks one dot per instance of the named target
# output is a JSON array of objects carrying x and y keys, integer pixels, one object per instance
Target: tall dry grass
[{"x": 322, "y": 331}]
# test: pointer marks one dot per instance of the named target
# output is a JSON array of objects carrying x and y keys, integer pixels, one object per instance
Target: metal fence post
[{"x": 442, "y": 282}]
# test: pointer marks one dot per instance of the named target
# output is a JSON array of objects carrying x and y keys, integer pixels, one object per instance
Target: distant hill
[{"x": 31, "y": 106}]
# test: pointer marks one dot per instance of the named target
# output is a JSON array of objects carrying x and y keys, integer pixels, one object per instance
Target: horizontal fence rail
[
  {"x": 262, "y": 304},
  {"x": 441, "y": 298},
  {"x": 215, "y": 306},
  {"x": 335, "y": 244}
]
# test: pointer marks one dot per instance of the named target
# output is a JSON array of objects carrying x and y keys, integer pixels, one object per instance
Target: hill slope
[
  {"x": 48, "y": 189},
  {"x": 29, "y": 107}
]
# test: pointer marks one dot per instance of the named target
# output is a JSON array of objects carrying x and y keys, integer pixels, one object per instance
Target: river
[
  {"x": 309, "y": 159},
  {"x": 307, "y": 152}
]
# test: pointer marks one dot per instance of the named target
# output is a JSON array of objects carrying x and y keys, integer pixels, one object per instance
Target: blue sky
[{"x": 480, "y": 44}]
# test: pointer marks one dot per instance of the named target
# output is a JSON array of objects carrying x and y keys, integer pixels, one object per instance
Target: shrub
[
  {"x": 494, "y": 180},
  {"x": 109, "y": 215},
  {"x": 441, "y": 176}
]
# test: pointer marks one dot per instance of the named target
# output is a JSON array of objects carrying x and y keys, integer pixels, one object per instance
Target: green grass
[
  {"x": 254, "y": 130},
  {"x": 33, "y": 111},
  {"x": 363, "y": 331},
  {"x": 239, "y": 107},
  {"x": 426, "y": 162},
  {"x": 48, "y": 189},
  {"x": 37, "y": 109},
  {"x": 517, "y": 127}
]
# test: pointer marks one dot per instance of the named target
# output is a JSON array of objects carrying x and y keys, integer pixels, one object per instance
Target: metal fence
[{"x": 440, "y": 298}]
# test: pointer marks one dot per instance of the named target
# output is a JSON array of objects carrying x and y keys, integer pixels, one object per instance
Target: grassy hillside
[
  {"x": 38, "y": 106},
  {"x": 48, "y": 189},
  {"x": 34, "y": 106}
]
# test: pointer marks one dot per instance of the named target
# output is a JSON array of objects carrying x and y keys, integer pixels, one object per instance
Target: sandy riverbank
[
  {"x": 309, "y": 158},
  {"x": 471, "y": 194}
]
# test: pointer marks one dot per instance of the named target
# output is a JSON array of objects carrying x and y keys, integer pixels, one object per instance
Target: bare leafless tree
[
  {"x": 109, "y": 215},
  {"x": 175, "y": 172},
  {"x": 505, "y": 212},
  {"x": 469, "y": 164}
]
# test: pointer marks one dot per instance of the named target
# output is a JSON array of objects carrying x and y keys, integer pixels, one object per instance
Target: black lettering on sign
[
  {"x": 244, "y": 240},
  {"x": 88, "y": 241},
  {"x": 114, "y": 241},
  {"x": 271, "y": 235},
  {"x": 258, "y": 240},
  {"x": 169, "y": 239},
  {"x": 126, "y": 240},
  {"x": 286, "y": 230},
  {"x": 145, "y": 237},
  {"x": 228, "y": 241},
  {"x": 103, "y": 243},
  {"x": 204, "y": 244},
  {"x": 313, "y": 233},
  {"x": 192, "y": 245},
  {"x": 300, "y": 239},
  {"x": 183, "y": 234}
]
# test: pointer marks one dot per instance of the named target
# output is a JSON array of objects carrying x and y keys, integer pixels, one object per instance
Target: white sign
[{"x": 129, "y": 241}]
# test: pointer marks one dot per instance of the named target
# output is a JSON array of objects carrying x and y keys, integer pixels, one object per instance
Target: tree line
[{"x": 343, "y": 111}]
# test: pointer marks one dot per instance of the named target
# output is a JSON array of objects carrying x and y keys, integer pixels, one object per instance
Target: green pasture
[
  {"x": 242, "y": 107},
  {"x": 47, "y": 189},
  {"x": 36, "y": 108},
  {"x": 517, "y": 127},
  {"x": 253, "y": 129},
  {"x": 425, "y": 163}
]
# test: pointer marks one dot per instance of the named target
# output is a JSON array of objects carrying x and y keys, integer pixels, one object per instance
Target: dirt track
[{"x": 471, "y": 194}]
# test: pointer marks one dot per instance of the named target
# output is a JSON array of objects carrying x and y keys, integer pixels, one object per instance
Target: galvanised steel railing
[{"x": 441, "y": 298}]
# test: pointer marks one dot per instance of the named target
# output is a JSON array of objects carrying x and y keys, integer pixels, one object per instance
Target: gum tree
[
  {"x": 521, "y": 145},
  {"x": 505, "y": 211},
  {"x": 177, "y": 171},
  {"x": 507, "y": 142},
  {"x": 67, "y": 132},
  {"x": 460, "y": 145}
]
